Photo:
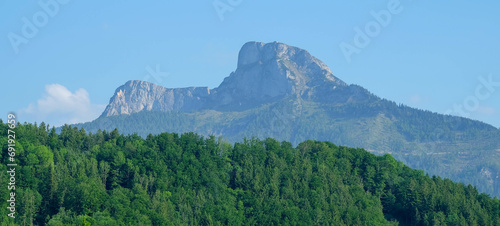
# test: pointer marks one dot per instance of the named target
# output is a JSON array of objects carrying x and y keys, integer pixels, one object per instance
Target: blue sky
[{"x": 60, "y": 63}]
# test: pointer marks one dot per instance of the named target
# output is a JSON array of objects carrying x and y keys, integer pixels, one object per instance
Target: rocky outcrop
[
  {"x": 265, "y": 73},
  {"x": 136, "y": 96}
]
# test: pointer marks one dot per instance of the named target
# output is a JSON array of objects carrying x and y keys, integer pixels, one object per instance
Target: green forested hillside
[
  {"x": 464, "y": 150},
  {"x": 105, "y": 178}
]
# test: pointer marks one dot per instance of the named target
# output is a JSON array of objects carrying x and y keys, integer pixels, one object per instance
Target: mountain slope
[
  {"x": 283, "y": 92},
  {"x": 106, "y": 178}
]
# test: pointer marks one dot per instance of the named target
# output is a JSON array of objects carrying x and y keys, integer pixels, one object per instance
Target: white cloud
[{"x": 58, "y": 106}]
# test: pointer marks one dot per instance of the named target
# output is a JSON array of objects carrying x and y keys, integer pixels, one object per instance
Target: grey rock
[
  {"x": 135, "y": 96},
  {"x": 265, "y": 73}
]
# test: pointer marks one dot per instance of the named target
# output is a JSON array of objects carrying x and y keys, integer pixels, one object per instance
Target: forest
[
  {"x": 460, "y": 149},
  {"x": 106, "y": 178}
]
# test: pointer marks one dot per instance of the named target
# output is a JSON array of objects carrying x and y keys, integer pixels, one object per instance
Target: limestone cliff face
[
  {"x": 136, "y": 96},
  {"x": 265, "y": 73}
]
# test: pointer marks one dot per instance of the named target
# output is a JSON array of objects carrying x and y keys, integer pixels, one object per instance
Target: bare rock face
[
  {"x": 265, "y": 73},
  {"x": 136, "y": 96}
]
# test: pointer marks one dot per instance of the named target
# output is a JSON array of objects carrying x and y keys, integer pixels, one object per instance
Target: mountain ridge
[
  {"x": 136, "y": 95},
  {"x": 266, "y": 72}
]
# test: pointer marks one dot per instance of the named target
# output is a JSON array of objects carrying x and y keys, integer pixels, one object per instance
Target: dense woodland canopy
[
  {"x": 452, "y": 147},
  {"x": 105, "y": 178}
]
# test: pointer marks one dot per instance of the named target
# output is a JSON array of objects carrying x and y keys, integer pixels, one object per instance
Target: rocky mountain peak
[
  {"x": 258, "y": 52},
  {"x": 265, "y": 73},
  {"x": 274, "y": 70},
  {"x": 293, "y": 62},
  {"x": 254, "y": 52}
]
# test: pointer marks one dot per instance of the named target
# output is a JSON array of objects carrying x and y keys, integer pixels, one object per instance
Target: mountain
[
  {"x": 266, "y": 73},
  {"x": 283, "y": 92}
]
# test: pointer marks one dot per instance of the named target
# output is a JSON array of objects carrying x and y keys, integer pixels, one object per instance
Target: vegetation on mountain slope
[
  {"x": 106, "y": 178},
  {"x": 463, "y": 150}
]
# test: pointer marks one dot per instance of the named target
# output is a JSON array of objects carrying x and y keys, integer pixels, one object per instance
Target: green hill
[
  {"x": 105, "y": 178},
  {"x": 452, "y": 147}
]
